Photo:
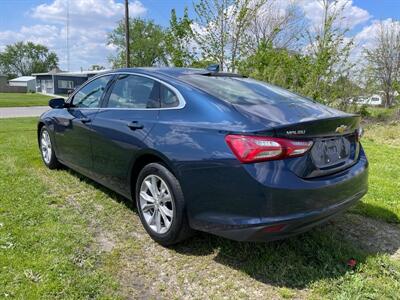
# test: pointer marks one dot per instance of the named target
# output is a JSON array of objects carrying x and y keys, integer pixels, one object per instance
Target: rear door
[
  {"x": 129, "y": 113},
  {"x": 73, "y": 127}
]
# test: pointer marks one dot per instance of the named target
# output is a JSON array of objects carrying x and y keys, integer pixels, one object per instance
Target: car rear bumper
[
  {"x": 267, "y": 201},
  {"x": 280, "y": 228}
]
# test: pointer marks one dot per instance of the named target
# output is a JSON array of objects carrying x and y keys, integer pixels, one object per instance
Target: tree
[
  {"x": 23, "y": 59},
  {"x": 179, "y": 39},
  {"x": 329, "y": 48},
  {"x": 343, "y": 91},
  {"x": 147, "y": 44},
  {"x": 282, "y": 67},
  {"x": 222, "y": 31},
  {"x": 280, "y": 26},
  {"x": 384, "y": 59}
]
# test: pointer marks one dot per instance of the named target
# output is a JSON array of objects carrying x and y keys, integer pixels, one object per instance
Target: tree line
[
  {"x": 260, "y": 39},
  {"x": 257, "y": 38}
]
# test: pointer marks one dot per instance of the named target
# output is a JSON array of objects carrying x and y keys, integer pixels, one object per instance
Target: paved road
[{"x": 15, "y": 112}]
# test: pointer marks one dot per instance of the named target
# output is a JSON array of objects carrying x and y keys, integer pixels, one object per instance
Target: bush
[{"x": 363, "y": 111}]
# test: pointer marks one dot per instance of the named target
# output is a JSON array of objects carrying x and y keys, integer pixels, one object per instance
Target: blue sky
[{"x": 44, "y": 21}]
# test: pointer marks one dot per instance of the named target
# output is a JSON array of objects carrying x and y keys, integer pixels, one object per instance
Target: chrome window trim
[{"x": 182, "y": 102}]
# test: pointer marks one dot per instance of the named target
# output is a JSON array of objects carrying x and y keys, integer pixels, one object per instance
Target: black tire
[
  {"x": 179, "y": 228},
  {"x": 53, "y": 162}
]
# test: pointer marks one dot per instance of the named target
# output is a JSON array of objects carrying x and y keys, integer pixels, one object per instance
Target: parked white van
[{"x": 375, "y": 100}]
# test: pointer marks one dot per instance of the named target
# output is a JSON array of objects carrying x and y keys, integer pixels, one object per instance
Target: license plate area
[{"x": 330, "y": 152}]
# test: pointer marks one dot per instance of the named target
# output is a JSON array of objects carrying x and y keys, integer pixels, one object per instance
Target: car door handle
[
  {"x": 85, "y": 120},
  {"x": 135, "y": 125}
]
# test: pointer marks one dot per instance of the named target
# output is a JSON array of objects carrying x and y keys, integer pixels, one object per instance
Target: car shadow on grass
[
  {"x": 297, "y": 262},
  {"x": 294, "y": 263},
  {"x": 375, "y": 211},
  {"x": 322, "y": 253}
]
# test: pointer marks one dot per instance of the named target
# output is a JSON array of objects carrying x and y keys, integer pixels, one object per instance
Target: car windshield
[{"x": 242, "y": 91}]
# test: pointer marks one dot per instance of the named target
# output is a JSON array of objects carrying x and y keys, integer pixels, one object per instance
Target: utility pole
[
  {"x": 68, "y": 58},
  {"x": 127, "y": 33}
]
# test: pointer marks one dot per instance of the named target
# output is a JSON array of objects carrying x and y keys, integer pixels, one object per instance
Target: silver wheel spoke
[
  {"x": 163, "y": 189},
  {"x": 164, "y": 217},
  {"x": 152, "y": 218},
  {"x": 166, "y": 211},
  {"x": 165, "y": 199},
  {"x": 151, "y": 188},
  {"x": 158, "y": 221},
  {"x": 147, "y": 207},
  {"x": 154, "y": 187},
  {"x": 146, "y": 197}
]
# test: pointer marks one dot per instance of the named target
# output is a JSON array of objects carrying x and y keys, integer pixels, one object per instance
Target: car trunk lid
[
  {"x": 334, "y": 135},
  {"x": 335, "y": 145}
]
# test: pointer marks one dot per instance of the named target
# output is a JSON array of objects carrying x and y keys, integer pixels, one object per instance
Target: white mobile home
[{"x": 29, "y": 82}]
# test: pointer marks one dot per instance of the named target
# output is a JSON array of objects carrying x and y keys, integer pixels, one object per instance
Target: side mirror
[{"x": 57, "y": 103}]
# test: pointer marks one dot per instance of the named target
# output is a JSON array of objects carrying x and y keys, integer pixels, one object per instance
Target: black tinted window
[
  {"x": 132, "y": 91},
  {"x": 168, "y": 98},
  {"x": 243, "y": 91},
  {"x": 90, "y": 95}
]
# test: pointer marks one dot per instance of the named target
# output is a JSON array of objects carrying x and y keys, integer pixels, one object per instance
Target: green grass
[
  {"x": 382, "y": 145},
  {"x": 20, "y": 99},
  {"x": 63, "y": 236},
  {"x": 43, "y": 243},
  {"x": 381, "y": 114}
]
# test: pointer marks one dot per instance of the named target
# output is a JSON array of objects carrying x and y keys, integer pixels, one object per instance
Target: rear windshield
[{"x": 242, "y": 91}]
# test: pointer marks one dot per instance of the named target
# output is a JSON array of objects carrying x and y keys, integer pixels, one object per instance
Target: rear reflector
[
  {"x": 250, "y": 149},
  {"x": 274, "y": 228},
  {"x": 359, "y": 134}
]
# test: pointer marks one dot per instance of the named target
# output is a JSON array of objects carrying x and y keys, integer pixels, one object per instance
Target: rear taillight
[{"x": 250, "y": 149}]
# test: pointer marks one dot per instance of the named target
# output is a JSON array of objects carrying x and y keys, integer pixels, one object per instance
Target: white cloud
[
  {"x": 366, "y": 38},
  {"x": 90, "y": 21},
  {"x": 88, "y": 12},
  {"x": 47, "y": 35},
  {"x": 353, "y": 15}
]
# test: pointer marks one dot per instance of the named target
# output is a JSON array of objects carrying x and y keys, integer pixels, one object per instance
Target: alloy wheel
[
  {"x": 45, "y": 144},
  {"x": 156, "y": 204}
]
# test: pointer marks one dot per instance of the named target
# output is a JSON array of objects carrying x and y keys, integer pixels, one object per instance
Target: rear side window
[
  {"x": 167, "y": 97},
  {"x": 131, "y": 91},
  {"x": 243, "y": 91},
  {"x": 90, "y": 95}
]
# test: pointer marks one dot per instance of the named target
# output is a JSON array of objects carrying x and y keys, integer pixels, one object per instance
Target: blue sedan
[{"x": 209, "y": 151}]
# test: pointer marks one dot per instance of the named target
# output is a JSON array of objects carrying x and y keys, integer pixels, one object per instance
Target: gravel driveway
[{"x": 14, "y": 112}]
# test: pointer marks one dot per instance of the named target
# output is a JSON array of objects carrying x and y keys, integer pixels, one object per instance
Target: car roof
[{"x": 174, "y": 72}]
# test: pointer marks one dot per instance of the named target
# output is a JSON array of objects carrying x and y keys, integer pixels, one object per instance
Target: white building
[
  {"x": 375, "y": 100},
  {"x": 25, "y": 81}
]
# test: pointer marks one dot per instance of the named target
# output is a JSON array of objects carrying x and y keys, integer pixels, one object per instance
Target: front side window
[
  {"x": 168, "y": 98},
  {"x": 131, "y": 91},
  {"x": 90, "y": 95}
]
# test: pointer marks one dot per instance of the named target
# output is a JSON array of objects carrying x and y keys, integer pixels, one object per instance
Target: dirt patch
[
  {"x": 373, "y": 236},
  {"x": 106, "y": 243}
]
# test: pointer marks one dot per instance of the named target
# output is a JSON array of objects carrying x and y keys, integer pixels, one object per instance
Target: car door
[
  {"x": 129, "y": 113},
  {"x": 73, "y": 127}
]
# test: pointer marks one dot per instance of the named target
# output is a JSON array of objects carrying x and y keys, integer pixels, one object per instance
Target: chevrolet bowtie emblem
[{"x": 341, "y": 129}]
